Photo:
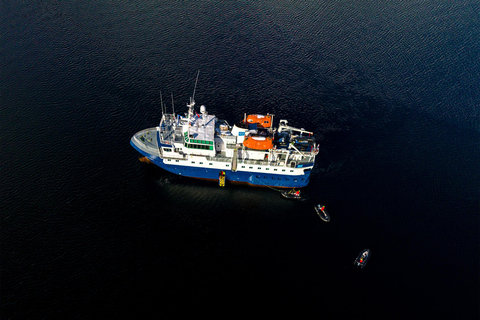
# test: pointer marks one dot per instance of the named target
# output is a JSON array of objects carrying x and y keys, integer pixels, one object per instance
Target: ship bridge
[
  {"x": 199, "y": 133},
  {"x": 202, "y": 128}
]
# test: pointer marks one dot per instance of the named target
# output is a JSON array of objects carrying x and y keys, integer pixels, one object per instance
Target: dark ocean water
[{"x": 391, "y": 88}]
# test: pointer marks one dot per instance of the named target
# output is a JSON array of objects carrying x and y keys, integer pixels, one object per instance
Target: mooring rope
[{"x": 266, "y": 185}]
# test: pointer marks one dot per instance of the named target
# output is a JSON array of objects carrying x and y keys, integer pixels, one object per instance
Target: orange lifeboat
[
  {"x": 258, "y": 143},
  {"x": 261, "y": 120}
]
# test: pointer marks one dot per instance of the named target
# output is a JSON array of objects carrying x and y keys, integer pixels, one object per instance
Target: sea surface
[{"x": 390, "y": 88}]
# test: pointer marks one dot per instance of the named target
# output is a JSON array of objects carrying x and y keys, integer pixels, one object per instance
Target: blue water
[{"x": 391, "y": 89}]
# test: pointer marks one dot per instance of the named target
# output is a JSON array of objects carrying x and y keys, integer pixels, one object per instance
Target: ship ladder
[{"x": 234, "y": 160}]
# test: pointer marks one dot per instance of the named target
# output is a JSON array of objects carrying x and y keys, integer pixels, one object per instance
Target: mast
[
  {"x": 195, "y": 88},
  {"x": 161, "y": 106},
  {"x": 192, "y": 99}
]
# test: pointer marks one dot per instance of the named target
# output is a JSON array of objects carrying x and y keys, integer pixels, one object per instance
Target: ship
[{"x": 252, "y": 151}]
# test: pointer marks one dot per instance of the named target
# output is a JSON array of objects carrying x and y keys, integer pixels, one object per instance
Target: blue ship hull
[{"x": 240, "y": 177}]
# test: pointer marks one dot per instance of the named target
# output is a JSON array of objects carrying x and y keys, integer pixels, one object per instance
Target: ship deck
[{"x": 146, "y": 140}]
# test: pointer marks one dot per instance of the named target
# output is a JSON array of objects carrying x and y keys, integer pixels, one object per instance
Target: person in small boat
[{"x": 295, "y": 193}]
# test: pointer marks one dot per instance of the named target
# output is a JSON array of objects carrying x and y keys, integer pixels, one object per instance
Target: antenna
[
  {"x": 173, "y": 106},
  {"x": 198, "y": 73}
]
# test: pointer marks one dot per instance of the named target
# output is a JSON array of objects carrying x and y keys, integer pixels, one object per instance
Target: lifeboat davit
[
  {"x": 258, "y": 143},
  {"x": 261, "y": 120}
]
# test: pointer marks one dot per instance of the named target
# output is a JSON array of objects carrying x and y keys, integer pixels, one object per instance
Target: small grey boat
[
  {"x": 362, "y": 258},
  {"x": 322, "y": 212}
]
